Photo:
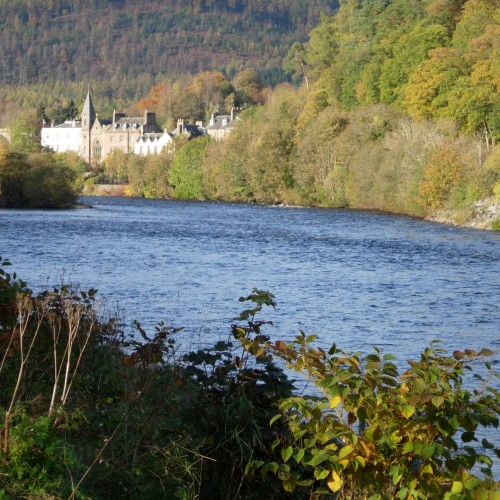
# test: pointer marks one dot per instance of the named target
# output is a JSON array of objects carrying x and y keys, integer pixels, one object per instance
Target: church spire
[{"x": 88, "y": 108}]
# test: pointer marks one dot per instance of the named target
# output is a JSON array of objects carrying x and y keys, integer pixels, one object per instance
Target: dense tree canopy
[
  {"x": 124, "y": 47},
  {"x": 40, "y": 180},
  {"x": 434, "y": 59}
]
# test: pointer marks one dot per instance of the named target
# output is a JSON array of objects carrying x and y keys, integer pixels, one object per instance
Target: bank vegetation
[{"x": 88, "y": 411}]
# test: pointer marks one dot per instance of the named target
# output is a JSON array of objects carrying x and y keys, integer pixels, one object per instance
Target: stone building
[
  {"x": 94, "y": 138},
  {"x": 100, "y": 137},
  {"x": 220, "y": 126}
]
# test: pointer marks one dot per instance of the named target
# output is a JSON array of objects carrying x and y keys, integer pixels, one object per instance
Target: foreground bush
[
  {"x": 374, "y": 433},
  {"x": 88, "y": 413}
]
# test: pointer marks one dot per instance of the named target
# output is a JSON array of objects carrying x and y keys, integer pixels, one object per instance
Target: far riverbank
[{"x": 483, "y": 214}]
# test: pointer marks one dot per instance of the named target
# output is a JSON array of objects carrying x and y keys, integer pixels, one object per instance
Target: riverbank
[
  {"x": 483, "y": 214},
  {"x": 135, "y": 419}
]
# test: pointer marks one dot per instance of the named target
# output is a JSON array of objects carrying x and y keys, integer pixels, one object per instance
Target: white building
[
  {"x": 64, "y": 137},
  {"x": 153, "y": 143}
]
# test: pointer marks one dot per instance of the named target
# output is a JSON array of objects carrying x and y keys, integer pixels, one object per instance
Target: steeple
[
  {"x": 88, "y": 118},
  {"x": 88, "y": 112}
]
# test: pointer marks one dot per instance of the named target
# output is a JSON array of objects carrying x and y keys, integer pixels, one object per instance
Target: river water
[{"x": 355, "y": 278}]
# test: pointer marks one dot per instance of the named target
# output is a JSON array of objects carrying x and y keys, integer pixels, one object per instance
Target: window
[{"x": 96, "y": 150}]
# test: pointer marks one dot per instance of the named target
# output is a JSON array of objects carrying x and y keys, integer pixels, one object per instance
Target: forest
[{"x": 123, "y": 47}]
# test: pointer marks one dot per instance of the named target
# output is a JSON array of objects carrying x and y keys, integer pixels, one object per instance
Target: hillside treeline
[
  {"x": 123, "y": 45},
  {"x": 374, "y": 157},
  {"x": 437, "y": 59}
]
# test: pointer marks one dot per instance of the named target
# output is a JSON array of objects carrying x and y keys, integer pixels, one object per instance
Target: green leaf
[
  {"x": 437, "y": 401},
  {"x": 427, "y": 450},
  {"x": 457, "y": 487},
  {"x": 467, "y": 437},
  {"x": 407, "y": 448},
  {"x": 346, "y": 450},
  {"x": 276, "y": 417},
  {"x": 298, "y": 454},
  {"x": 472, "y": 483},
  {"x": 486, "y": 444},
  {"x": 289, "y": 485},
  {"x": 317, "y": 459},
  {"x": 286, "y": 453},
  {"x": 333, "y": 349},
  {"x": 402, "y": 494},
  {"x": 408, "y": 411},
  {"x": 321, "y": 474},
  {"x": 484, "y": 459},
  {"x": 272, "y": 466}
]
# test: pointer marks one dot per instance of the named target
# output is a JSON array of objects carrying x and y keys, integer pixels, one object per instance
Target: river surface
[{"x": 355, "y": 278}]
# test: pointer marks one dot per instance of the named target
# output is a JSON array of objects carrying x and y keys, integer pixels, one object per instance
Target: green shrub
[
  {"x": 134, "y": 420},
  {"x": 441, "y": 172},
  {"x": 185, "y": 174},
  {"x": 37, "y": 182},
  {"x": 38, "y": 460},
  {"x": 374, "y": 433}
]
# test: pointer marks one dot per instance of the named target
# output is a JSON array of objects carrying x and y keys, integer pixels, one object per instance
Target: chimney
[{"x": 180, "y": 125}]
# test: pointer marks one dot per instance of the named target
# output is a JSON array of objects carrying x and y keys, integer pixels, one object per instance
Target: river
[{"x": 355, "y": 278}]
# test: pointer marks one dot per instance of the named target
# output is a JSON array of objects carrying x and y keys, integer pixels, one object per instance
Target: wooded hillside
[
  {"x": 437, "y": 59},
  {"x": 44, "y": 40}
]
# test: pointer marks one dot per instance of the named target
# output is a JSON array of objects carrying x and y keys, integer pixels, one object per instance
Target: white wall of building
[
  {"x": 64, "y": 137},
  {"x": 151, "y": 144}
]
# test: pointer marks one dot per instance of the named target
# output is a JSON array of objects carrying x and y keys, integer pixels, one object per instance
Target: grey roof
[
  {"x": 88, "y": 107},
  {"x": 69, "y": 124},
  {"x": 190, "y": 130},
  {"x": 218, "y": 122},
  {"x": 130, "y": 120}
]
